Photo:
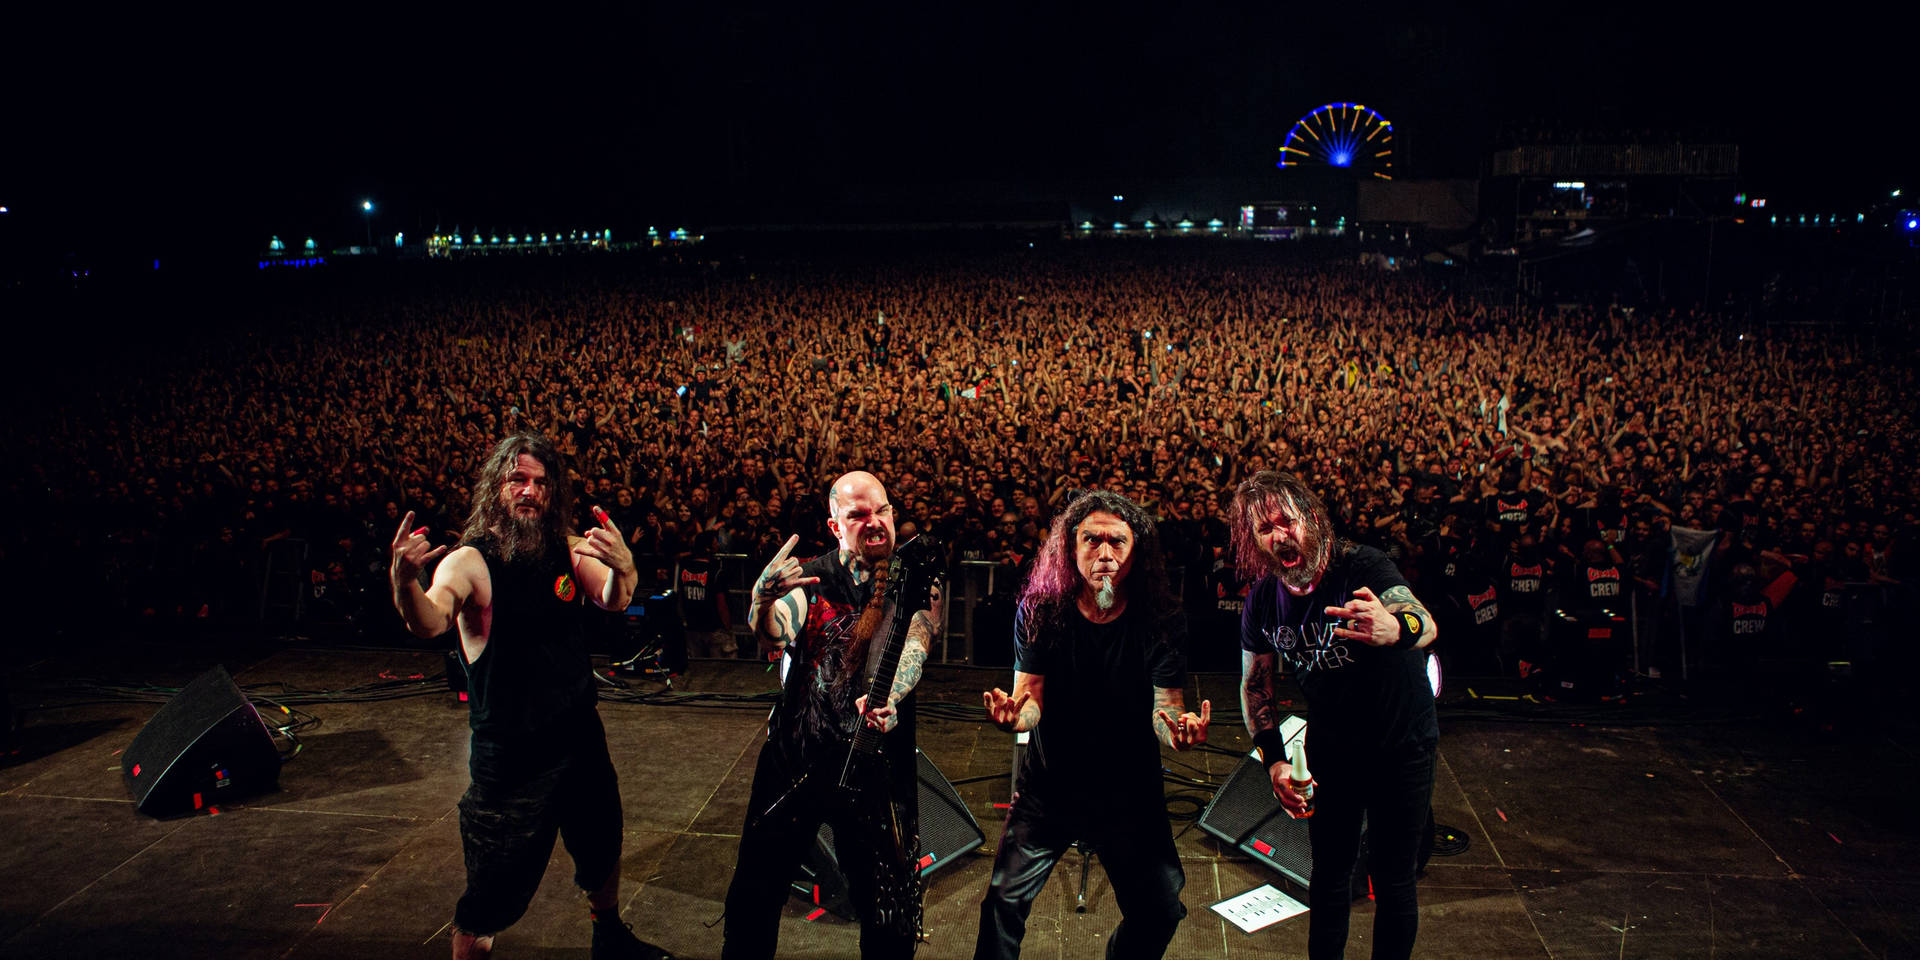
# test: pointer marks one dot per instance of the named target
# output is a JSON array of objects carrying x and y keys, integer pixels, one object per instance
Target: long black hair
[
  {"x": 489, "y": 517},
  {"x": 1055, "y": 580}
]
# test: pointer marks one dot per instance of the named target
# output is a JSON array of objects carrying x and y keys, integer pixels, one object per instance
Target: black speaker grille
[
  {"x": 1282, "y": 842},
  {"x": 947, "y": 827},
  {"x": 1245, "y": 813},
  {"x": 1241, "y": 805},
  {"x": 207, "y": 740}
]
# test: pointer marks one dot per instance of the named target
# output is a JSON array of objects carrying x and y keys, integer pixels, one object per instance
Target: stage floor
[{"x": 1649, "y": 828}]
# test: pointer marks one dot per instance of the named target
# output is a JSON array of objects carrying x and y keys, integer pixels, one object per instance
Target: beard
[
  {"x": 1300, "y": 564},
  {"x": 524, "y": 537},
  {"x": 1104, "y": 598}
]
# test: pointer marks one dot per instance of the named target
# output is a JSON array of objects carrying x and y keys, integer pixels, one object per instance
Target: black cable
[
  {"x": 1186, "y": 800},
  {"x": 1449, "y": 841}
]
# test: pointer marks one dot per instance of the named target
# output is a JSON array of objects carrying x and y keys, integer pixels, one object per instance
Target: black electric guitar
[{"x": 915, "y": 569}]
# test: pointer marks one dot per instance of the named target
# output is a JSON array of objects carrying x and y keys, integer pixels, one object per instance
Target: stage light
[
  {"x": 1086, "y": 224},
  {"x": 1150, "y": 224},
  {"x": 4, "y": 210},
  {"x": 1913, "y": 224},
  {"x": 1186, "y": 224},
  {"x": 1342, "y": 159},
  {"x": 1896, "y": 193},
  {"x": 366, "y": 205},
  {"x": 1117, "y": 225},
  {"x": 1117, "y": 197}
]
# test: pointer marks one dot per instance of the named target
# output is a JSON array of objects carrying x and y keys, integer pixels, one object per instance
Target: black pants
[
  {"x": 1394, "y": 791},
  {"x": 513, "y": 811},
  {"x": 1140, "y": 860},
  {"x": 876, "y": 866}
]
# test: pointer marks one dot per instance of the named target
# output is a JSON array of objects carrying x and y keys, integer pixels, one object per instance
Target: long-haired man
[
  {"x": 1099, "y": 670},
  {"x": 1345, "y": 623},
  {"x": 517, "y": 587}
]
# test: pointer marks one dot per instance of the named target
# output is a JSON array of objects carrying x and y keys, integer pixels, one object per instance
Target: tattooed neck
[{"x": 856, "y": 565}]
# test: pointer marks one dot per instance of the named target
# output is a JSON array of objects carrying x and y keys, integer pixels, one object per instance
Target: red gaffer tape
[
  {"x": 817, "y": 913},
  {"x": 926, "y": 861},
  {"x": 1263, "y": 848}
]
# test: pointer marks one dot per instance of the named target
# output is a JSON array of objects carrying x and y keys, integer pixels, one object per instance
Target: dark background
[{"x": 186, "y": 134}]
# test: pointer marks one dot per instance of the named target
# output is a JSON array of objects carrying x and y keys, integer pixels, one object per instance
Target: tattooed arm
[
  {"x": 1256, "y": 699},
  {"x": 779, "y": 606},
  {"x": 1381, "y": 620},
  {"x": 1401, "y": 598},
  {"x": 1173, "y": 725},
  {"x": 1019, "y": 712},
  {"x": 913, "y": 659}
]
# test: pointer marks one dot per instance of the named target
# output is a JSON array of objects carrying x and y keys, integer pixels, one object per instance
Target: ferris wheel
[{"x": 1350, "y": 135}]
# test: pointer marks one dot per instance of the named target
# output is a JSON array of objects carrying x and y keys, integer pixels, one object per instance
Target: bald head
[{"x": 860, "y": 516}]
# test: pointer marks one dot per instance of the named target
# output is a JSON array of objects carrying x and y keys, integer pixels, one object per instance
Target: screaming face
[
  {"x": 1296, "y": 543},
  {"x": 862, "y": 518}
]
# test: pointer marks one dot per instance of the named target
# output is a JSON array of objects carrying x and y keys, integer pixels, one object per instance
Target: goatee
[{"x": 1104, "y": 598}]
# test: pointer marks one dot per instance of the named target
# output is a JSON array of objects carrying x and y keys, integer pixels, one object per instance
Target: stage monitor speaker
[
  {"x": 1246, "y": 814},
  {"x": 206, "y": 745},
  {"x": 947, "y": 830}
]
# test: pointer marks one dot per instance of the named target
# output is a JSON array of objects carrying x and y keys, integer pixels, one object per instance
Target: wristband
[
  {"x": 1411, "y": 627},
  {"x": 1273, "y": 746}
]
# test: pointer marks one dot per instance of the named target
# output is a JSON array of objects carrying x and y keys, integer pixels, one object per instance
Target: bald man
[{"x": 808, "y": 615}]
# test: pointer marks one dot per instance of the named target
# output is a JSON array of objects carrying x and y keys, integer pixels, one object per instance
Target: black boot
[{"x": 613, "y": 940}]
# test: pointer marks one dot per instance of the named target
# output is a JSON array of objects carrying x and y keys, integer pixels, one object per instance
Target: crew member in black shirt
[
  {"x": 517, "y": 588},
  {"x": 1099, "y": 648},
  {"x": 1341, "y": 618}
]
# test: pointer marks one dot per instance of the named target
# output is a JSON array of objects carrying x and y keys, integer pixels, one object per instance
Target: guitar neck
[{"x": 867, "y": 739}]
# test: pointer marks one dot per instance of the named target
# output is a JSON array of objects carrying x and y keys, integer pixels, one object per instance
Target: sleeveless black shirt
[{"x": 535, "y": 676}]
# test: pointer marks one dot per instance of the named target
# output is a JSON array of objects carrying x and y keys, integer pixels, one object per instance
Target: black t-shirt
[
  {"x": 1095, "y": 752},
  {"x": 699, "y": 584},
  {"x": 1593, "y": 585},
  {"x": 1360, "y": 697},
  {"x": 1510, "y": 511}
]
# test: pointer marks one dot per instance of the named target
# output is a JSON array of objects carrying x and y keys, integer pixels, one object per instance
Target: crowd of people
[{"x": 708, "y": 404}]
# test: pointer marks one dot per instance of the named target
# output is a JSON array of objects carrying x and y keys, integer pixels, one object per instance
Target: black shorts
[{"x": 508, "y": 825}]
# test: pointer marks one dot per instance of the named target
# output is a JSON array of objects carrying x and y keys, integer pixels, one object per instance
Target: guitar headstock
[{"x": 917, "y": 562}]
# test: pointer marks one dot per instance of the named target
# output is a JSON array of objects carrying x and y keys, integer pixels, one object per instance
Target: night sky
[{"x": 164, "y": 133}]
